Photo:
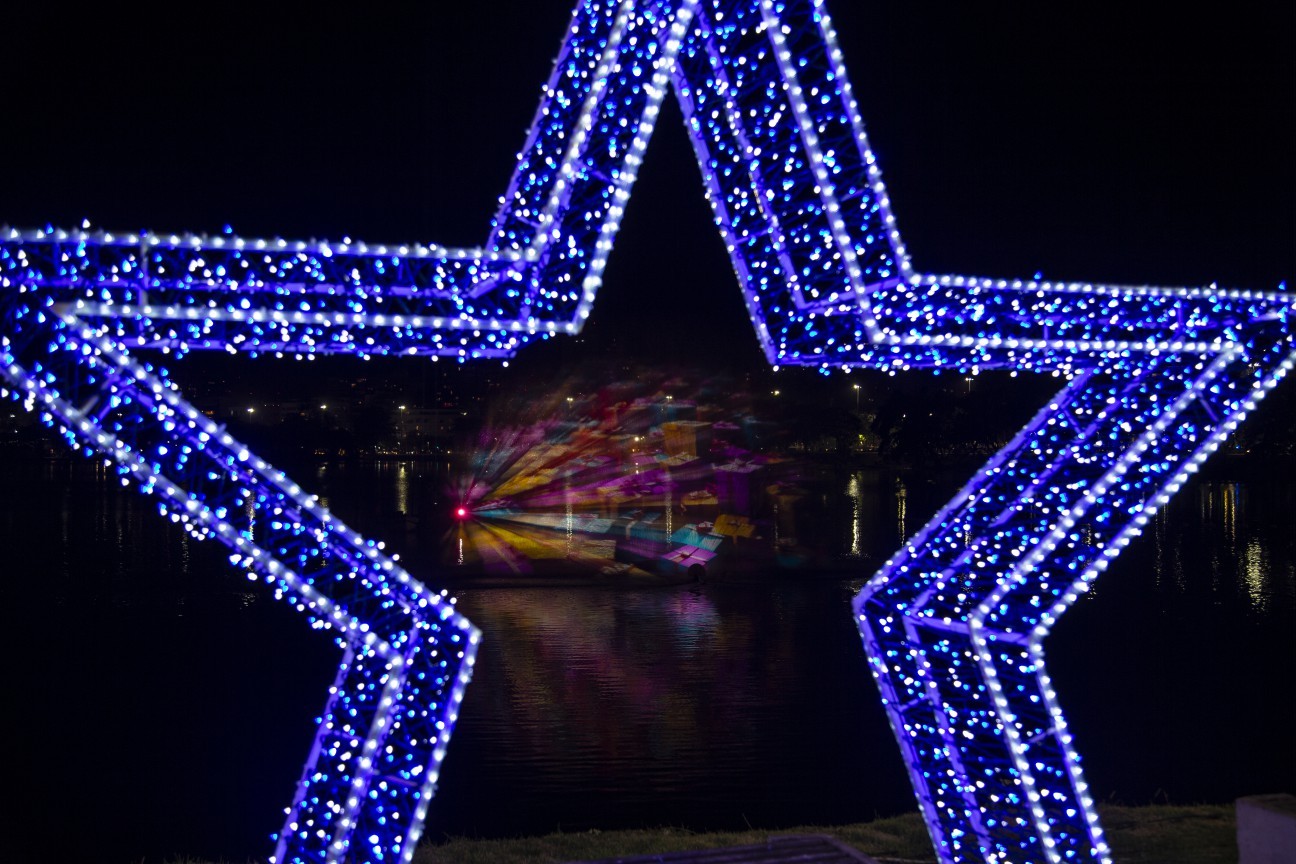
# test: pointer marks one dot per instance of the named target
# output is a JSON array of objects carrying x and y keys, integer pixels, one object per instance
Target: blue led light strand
[{"x": 1152, "y": 381}]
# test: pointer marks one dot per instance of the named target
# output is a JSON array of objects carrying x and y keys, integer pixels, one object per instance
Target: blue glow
[{"x": 1153, "y": 381}]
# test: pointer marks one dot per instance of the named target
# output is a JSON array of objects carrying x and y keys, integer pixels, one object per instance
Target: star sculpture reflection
[{"x": 1155, "y": 379}]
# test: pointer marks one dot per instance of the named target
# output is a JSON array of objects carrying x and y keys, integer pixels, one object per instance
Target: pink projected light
[{"x": 1154, "y": 380}]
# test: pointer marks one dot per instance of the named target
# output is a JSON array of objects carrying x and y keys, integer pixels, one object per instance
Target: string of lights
[{"x": 1152, "y": 381}]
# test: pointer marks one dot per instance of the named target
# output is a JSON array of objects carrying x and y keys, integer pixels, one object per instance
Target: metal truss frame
[{"x": 953, "y": 625}]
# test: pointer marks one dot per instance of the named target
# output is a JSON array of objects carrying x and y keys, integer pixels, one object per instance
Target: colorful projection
[
  {"x": 1154, "y": 379},
  {"x": 628, "y": 480}
]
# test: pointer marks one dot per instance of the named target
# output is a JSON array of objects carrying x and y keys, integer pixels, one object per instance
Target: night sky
[{"x": 1088, "y": 141}]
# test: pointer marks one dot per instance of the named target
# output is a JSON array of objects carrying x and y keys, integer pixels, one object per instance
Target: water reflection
[
  {"x": 857, "y": 515},
  {"x": 663, "y": 706},
  {"x": 402, "y": 488},
  {"x": 1222, "y": 537},
  {"x": 1256, "y": 574},
  {"x": 902, "y": 511},
  {"x": 700, "y": 705},
  {"x": 1165, "y": 559}
]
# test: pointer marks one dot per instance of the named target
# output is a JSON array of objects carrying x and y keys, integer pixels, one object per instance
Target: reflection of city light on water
[
  {"x": 402, "y": 488},
  {"x": 1227, "y": 505},
  {"x": 1221, "y": 511},
  {"x": 1254, "y": 566},
  {"x": 1160, "y": 547},
  {"x": 853, "y": 492},
  {"x": 902, "y": 508},
  {"x": 1229, "y": 501},
  {"x": 1255, "y": 574}
]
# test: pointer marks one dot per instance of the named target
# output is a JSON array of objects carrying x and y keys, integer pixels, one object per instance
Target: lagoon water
[{"x": 161, "y": 705}]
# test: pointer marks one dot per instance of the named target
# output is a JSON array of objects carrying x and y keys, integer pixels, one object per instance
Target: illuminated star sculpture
[{"x": 953, "y": 624}]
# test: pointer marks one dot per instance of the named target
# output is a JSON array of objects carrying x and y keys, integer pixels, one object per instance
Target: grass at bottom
[{"x": 1152, "y": 834}]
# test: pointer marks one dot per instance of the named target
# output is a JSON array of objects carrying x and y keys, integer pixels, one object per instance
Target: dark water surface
[{"x": 161, "y": 705}]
